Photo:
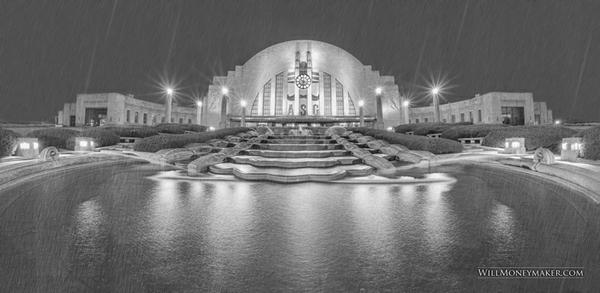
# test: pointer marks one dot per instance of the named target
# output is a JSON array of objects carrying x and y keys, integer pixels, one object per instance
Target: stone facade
[
  {"x": 490, "y": 108},
  {"x": 303, "y": 79},
  {"x": 119, "y": 109}
]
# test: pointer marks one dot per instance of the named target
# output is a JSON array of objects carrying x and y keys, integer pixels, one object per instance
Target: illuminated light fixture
[
  {"x": 24, "y": 145},
  {"x": 361, "y": 103},
  {"x": 405, "y": 103},
  {"x": 435, "y": 90},
  {"x": 91, "y": 143},
  {"x": 571, "y": 148},
  {"x": 390, "y": 129},
  {"x": 211, "y": 128},
  {"x": 36, "y": 145},
  {"x": 576, "y": 146},
  {"x": 378, "y": 91},
  {"x": 506, "y": 144},
  {"x": 199, "y": 103},
  {"x": 515, "y": 144},
  {"x": 224, "y": 90},
  {"x": 169, "y": 91},
  {"x": 243, "y": 103},
  {"x": 564, "y": 146},
  {"x": 83, "y": 143},
  {"x": 557, "y": 122}
]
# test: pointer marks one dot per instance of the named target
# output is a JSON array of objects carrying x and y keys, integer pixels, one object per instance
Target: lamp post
[
  {"x": 243, "y": 120},
  {"x": 405, "y": 105},
  {"x": 361, "y": 113},
  {"x": 199, "y": 112},
  {"x": 378, "y": 94},
  {"x": 224, "y": 100},
  {"x": 169, "y": 104},
  {"x": 436, "y": 104}
]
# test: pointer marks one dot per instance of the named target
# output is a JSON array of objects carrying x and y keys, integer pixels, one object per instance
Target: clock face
[{"x": 303, "y": 81}]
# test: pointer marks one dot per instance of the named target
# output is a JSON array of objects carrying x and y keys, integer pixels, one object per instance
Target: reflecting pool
[{"x": 118, "y": 229}]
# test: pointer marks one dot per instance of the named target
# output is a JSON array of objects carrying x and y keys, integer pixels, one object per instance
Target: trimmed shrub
[
  {"x": 102, "y": 137},
  {"x": 591, "y": 141},
  {"x": 167, "y": 141},
  {"x": 548, "y": 137},
  {"x": 143, "y": 131},
  {"x": 427, "y": 128},
  {"x": 8, "y": 140},
  {"x": 478, "y": 130},
  {"x": 56, "y": 137},
  {"x": 434, "y": 145},
  {"x": 175, "y": 128}
]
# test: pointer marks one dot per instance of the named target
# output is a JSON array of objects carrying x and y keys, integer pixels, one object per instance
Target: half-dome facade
[{"x": 302, "y": 82}]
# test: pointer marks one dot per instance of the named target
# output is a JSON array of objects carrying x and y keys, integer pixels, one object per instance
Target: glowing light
[
  {"x": 506, "y": 144},
  {"x": 405, "y": 103},
  {"x": 199, "y": 104},
  {"x": 390, "y": 129},
  {"x": 564, "y": 146},
  {"x": 24, "y": 145},
  {"x": 83, "y": 143},
  {"x": 211, "y": 128},
  {"x": 435, "y": 91},
  {"x": 224, "y": 90},
  {"x": 243, "y": 103},
  {"x": 557, "y": 122},
  {"x": 169, "y": 91},
  {"x": 378, "y": 91},
  {"x": 36, "y": 145},
  {"x": 361, "y": 103},
  {"x": 91, "y": 143},
  {"x": 515, "y": 144},
  {"x": 576, "y": 146}
]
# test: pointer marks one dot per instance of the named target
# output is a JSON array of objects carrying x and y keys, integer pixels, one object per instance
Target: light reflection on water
[{"x": 177, "y": 235}]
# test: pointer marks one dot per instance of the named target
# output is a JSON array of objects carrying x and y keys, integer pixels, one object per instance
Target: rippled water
[{"x": 114, "y": 229}]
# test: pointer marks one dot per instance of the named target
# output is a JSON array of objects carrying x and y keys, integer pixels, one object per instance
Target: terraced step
[
  {"x": 248, "y": 172},
  {"x": 295, "y": 162},
  {"x": 299, "y": 137},
  {"x": 297, "y": 147},
  {"x": 301, "y": 141},
  {"x": 298, "y": 154}
]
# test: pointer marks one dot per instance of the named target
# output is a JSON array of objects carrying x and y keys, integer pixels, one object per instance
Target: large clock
[{"x": 303, "y": 81}]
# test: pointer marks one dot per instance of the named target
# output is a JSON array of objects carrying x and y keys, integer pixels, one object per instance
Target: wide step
[
  {"x": 298, "y": 154},
  {"x": 295, "y": 162},
  {"x": 248, "y": 172},
  {"x": 301, "y": 141},
  {"x": 298, "y": 147}
]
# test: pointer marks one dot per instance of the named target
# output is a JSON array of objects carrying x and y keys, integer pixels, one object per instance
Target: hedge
[
  {"x": 478, "y": 130},
  {"x": 427, "y": 128},
  {"x": 102, "y": 137},
  {"x": 175, "y": 128},
  {"x": 591, "y": 141},
  {"x": 8, "y": 140},
  {"x": 548, "y": 137},
  {"x": 56, "y": 137},
  {"x": 166, "y": 141},
  {"x": 143, "y": 131},
  {"x": 421, "y": 143}
]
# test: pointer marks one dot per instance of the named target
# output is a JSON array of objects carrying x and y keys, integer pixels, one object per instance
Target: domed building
[{"x": 302, "y": 82}]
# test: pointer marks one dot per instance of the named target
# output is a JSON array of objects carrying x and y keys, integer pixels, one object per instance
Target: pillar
[
  {"x": 168, "y": 108},
  {"x": 223, "y": 122},
  {"x": 379, "y": 123}
]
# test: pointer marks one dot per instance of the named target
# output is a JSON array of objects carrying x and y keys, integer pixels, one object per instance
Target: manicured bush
[
  {"x": 56, "y": 137},
  {"x": 413, "y": 142},
  {"x": 477, "y": 130},
  {"x": 8, "y": 140},
  {"x": 427, "y": 128},
  {"x": 175, "y": 128},
  {"x": 102, "y": 137},
  {"x": 166, "y": 141},
  {"x": 143, "y": 131},
  {"x": 548, "y": 137},
  {"x": 591, "y": 143}
]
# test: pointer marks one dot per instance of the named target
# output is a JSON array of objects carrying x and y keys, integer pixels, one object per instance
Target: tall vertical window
[
  {"x": 254, "y": 109},
  {"x": 128, "y": 117},
  {"x": 267, "y": 98},
  {"x": 326, "y": 94},
  {"x": 351, "y": 108},
  {"x": 470, "y": 116},
  {"x": 462, "y": 117},
  {"x": 136, "y": 118},
  {"x": 279, "y": 94},
  {"x": 453, "y": 118},
  {"x": 145, "y": 118},
  {"x": 180, "y": 120},
  {"x": 339, "y": 98},
  {"x": 479, "y": 115}
]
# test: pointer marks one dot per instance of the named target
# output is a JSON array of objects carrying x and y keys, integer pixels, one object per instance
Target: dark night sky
[{"x": 52, "y": 50}]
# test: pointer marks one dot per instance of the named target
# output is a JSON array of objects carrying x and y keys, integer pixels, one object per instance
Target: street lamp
[
  {"x": 224, "y": 91},
  {"x": 224, "y": 100},
  {"x": 379, "y": 105},
  {"x": 243, "y": 120},
  {"x": 199, "y": 112},
  {"x": 361, "y": 113},
  {"x": 169, "y": 103},
  {"x": 405, "y": 105},
  {"x": 378, "y": 91},
  {"x": 435, "y": 91}
]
